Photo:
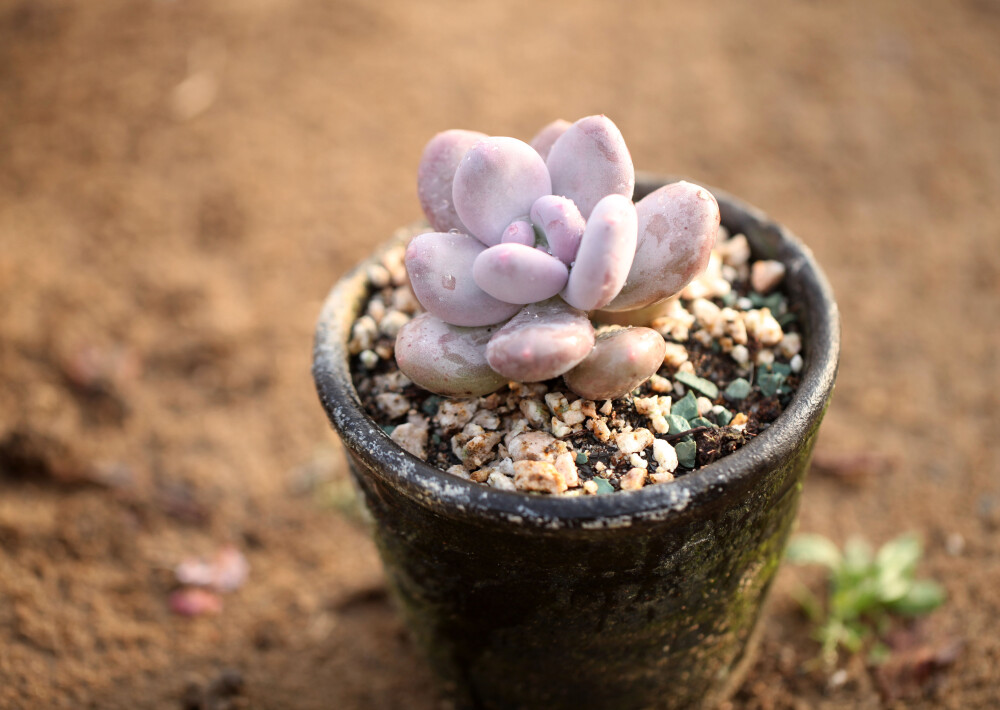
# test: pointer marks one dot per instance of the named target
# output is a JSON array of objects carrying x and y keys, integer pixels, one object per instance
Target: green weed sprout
[{"x": 865, "y": 591}]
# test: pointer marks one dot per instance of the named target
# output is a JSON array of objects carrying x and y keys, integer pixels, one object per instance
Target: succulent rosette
[{"x": 529, "y": 240}]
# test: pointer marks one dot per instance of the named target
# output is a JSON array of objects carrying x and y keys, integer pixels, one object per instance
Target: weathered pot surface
[{"x": 629, "y": 600}]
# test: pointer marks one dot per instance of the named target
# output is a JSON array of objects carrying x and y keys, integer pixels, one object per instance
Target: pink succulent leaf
[
  {"x": 605, "y": 254},
  {"x": 621, "y": 360},
  {"x": 516, "y": 273},
  {"x": 543, "y": 341},
  {"x": 519, "y": 232},
  {"x": 440, "y": 269},
  {"x": 436, "y": 175},
  {"x": 446, "y": 359},
  {"x": 496, "y": 183},
  {"x": 561, "y": 223},
  {"x": 543, "y": 140},
  {"x": 590, "y": 161},
  {"x": 677, "y": 228}
]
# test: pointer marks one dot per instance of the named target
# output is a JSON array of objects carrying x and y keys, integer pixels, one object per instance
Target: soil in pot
[{"x": 732, "y": 364}]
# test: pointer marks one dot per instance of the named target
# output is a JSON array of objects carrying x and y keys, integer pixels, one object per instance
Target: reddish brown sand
[{"x": 181, "y": 182}]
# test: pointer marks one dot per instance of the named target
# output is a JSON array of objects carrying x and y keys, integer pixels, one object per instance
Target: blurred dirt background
[{"x": 181, "y": 182}]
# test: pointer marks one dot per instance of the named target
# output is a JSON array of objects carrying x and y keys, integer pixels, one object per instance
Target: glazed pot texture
[{"x": 644, "y": 599}]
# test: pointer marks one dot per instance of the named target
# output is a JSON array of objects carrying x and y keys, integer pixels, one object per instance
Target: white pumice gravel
[{"x": 542, "y": 439}]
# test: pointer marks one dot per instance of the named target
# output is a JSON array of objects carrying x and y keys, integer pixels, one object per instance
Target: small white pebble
[
  {"x": 392, "y": 404},
  {"x": 559, "y": 428},
  {"x": 459, "y": 471},
  {"x": 744, "y": 303},
  {"x": 556, "y": 402},
  {"x": 535, "y": 412},
  {"x": 661, "y": 477},
  {"x": 379, "y": 276},
  {"x": 675, "y": 354},
  {"x": 540, "y": 476},
  {"x": 740, "y": 354},
  {"x": 369, "y": 359},
  {"x": 660, "y": 384},
  {"x": 606, "y": 408},
  {"x": 790, "y": 345},
  {"x": 632, "y": 442},
  {"x": 404, "y": 300},
  {"x": 659, "y": 424},
  {"x": 363, "y": 334},
  {"x": 391, "y": 322},
  {"x": 601, "y": 431},
  {"x": 638, "y": 461},
  {"x": 566, "y": 465},
  {"x": 533, "y": 446},
  {"x": 590, "y": 488},
  {"x": 454, "y": 414},
  {"x": 686, "y": 366},
  {"x": 411, "y": 437},
  {"x": 376, "y": 309},
  {"x": 704, "y": 406},
  {"x": 486, "y": 419},
  {"x": 500, "y": 482},
  {"x": 766, "y": 274},
  {"x": 633, "y": 480},
  {"x": 796, "y": 364},
  {"x": 765, "y": 357},
  {"x": 769, "y": 332},
  {"x": 735, "y": 250},
  {"x": 664, "y": 455}
]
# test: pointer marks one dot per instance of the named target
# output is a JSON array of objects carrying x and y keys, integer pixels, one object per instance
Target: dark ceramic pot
[{"x": 645, "y": 599}]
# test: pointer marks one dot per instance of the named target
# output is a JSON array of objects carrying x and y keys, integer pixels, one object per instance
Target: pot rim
[{"x": 734, "y": 473}]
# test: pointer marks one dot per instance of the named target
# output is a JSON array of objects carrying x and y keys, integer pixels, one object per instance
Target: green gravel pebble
[
  {"x": 603, "y": 486},
  {"x": 706, "y": 387},
  {"x": 582, "y": 457},
  {"x": 687, "y": 407},
  {"x": 781, "y": 368},
  {"x": 389, "y": 429},
  {"x": 686, "y": 452},
  {"x": 724, "y": 417},
  {"x": 737, "y": 389},
  {"x": 430, "y": 405},
  {"x": 702, "y": 421},
  {"x": 677, "y": 424},
  {"x": 770, "y": 383}
]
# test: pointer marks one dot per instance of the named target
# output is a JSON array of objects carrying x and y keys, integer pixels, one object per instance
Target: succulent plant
[{"x": 529, "y": 241}]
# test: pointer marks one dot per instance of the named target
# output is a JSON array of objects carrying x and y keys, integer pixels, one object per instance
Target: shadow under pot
[{"x": 644, "y": 599}]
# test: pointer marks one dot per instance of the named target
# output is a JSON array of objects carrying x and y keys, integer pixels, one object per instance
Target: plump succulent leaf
[
  {"x": 440, "y": 269},
  {"x": 519, "y": 232},
  {"x": 621, "y": 361},
  {"x": 496, "y": 183},
  {"x": 446, "y": 359},
  {"x": 589, "y": 161},
  {"x": 677, "y": 228},
  {"x": 436, "y": 173},
  {"x": 561, "y": 223},
  {"x": 543, "y": 140},
  {"x": 542, "y": 341},
  {"x": 605, "y": 254},
  {"x": 516, "y": 273}
]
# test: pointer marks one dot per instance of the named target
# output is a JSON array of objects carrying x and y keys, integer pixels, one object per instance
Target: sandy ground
[{"x": 181, "y": 182}]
